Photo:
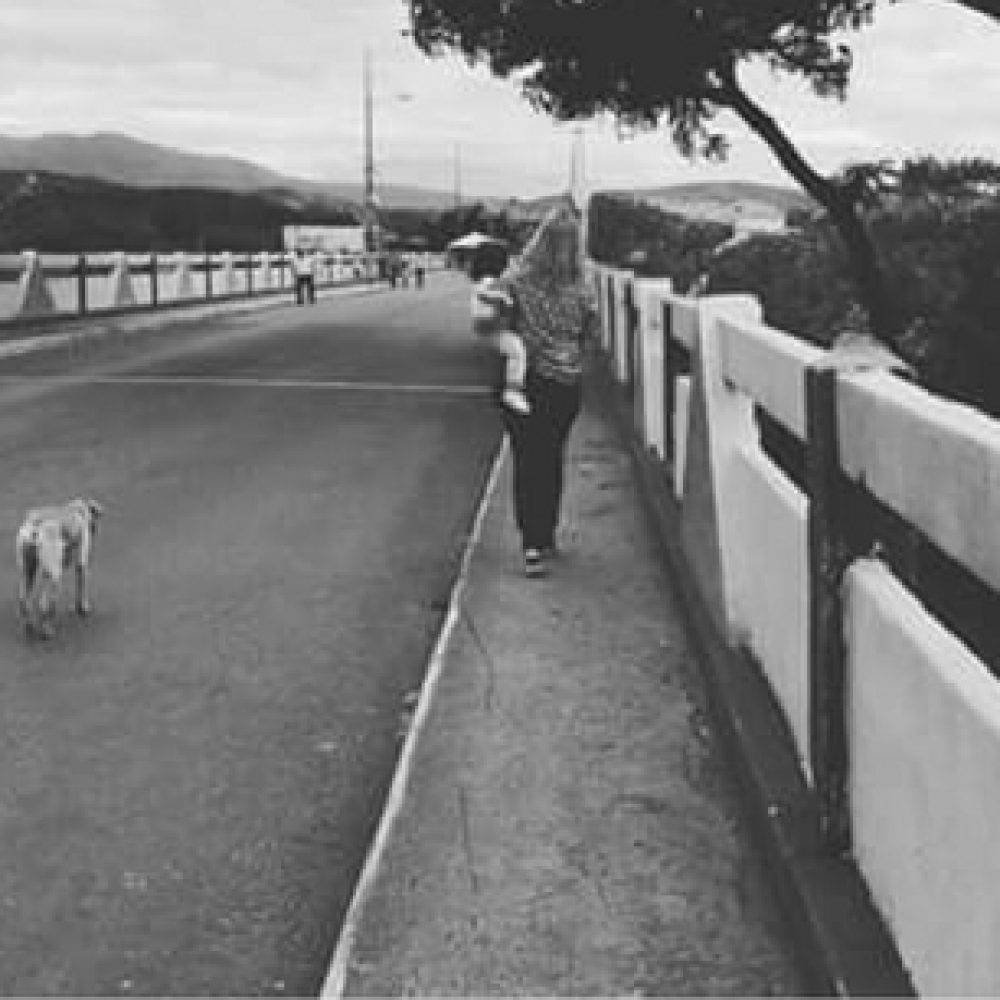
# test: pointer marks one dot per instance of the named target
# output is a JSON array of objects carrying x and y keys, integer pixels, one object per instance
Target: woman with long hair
[{"x": 553, "y": 313}]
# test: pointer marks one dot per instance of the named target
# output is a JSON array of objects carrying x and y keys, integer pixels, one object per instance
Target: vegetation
[
  {"x": 61, "y": 214},
  {"x": 937, "y": 229},
  {"x": 55, "y": 213},
  {"x": 652, "y": 64},
  {"x": 651, "y": 241},
  {"x": 434, "y": 230}
]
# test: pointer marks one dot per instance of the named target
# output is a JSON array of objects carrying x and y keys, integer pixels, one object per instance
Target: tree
[
  {"x": 991, "y": 8},
  {"x": 677, "y": 63}
]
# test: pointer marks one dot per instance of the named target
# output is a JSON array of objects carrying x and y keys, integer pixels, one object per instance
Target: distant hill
[
  {"x": 58, "y": 213},
  {"x": 121, "y": 159},
  {"x": 742, "y": 204}
]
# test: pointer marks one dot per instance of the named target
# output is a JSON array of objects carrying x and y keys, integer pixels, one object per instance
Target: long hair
[{"x": 552, "y": 257}]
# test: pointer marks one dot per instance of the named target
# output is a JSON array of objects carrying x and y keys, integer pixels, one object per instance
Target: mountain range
[
  {"x": 124, "y": 160},
  {"x": 121, "y": 159},
  {"x": 742, "y": 204}
]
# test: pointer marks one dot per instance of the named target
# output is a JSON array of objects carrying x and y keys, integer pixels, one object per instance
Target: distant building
[{"x": 331, "y": 239}]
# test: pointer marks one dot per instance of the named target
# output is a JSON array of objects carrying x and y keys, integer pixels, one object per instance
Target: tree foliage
[
  {"x": 937, "y": 229},
  {"x": 645, "y": 62},
  {"x": 61, "y": 214},
  {"x": 650, "y": 241},
  {"x": 676, "y": 64}
]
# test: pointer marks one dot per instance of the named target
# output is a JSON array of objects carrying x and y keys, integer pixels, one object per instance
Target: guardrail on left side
[{"x": 42, "y": 285}]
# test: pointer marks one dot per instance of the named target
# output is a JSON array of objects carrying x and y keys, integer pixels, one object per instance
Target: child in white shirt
[{"x": 493, "y": 318}]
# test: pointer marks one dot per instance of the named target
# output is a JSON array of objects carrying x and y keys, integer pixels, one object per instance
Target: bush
[
  {"x": 649, "y": 241},
  {"x": 937, "y": 230}
]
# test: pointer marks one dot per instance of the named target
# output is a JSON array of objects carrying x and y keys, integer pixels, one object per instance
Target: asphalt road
[{"x": 189, "y": 779}]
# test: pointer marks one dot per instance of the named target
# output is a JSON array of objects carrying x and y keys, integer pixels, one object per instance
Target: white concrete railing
[
  {"x": 34, "y": 284},
  {"x": 920, "y": 715}
]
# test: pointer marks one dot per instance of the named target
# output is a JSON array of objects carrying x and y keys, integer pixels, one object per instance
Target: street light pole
[{"x": 369, "y": 167}]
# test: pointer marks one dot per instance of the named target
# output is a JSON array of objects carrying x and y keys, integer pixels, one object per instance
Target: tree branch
[
  {"x": 733, "y": 96},
  {"x": 991, "y": 8},
  {"x": 840, "y": 201}
]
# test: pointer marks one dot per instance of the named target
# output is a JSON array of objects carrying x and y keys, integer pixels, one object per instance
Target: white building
[{"x": 330, "y": 239}]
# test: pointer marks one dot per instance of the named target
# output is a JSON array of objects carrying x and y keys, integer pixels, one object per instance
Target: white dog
[{"x": 50, "y": 541}]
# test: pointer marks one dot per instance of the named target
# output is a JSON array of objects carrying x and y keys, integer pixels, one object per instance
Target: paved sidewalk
[{"x": 570, "y": 826}]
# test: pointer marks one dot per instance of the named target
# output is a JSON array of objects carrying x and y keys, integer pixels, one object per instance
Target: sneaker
[
  {"x": 515, "y": 399},
  {"x": 534, "y": 563}
]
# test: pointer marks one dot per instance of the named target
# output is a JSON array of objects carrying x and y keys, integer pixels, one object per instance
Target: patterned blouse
[
  {"x": 553, "y": 307},
  {"x": 553, "y": 323}
]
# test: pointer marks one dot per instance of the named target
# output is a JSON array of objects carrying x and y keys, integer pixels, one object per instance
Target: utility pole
[
  {"x": 576, "y": 168},
  {"x": 370, "y": 220},
  {"x": 458, "y": 177},
  {"x": 578, "y": 186}
]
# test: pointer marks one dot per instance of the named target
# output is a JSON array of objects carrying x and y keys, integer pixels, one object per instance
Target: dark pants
[
  {"x": 538, "y": 441},
  {"x": 305, "y": 289}
]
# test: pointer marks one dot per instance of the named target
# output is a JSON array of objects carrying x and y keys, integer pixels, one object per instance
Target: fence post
[
  {"x": 612, "y": 333},
  {"x": 720, "y": 425},
  {"x": 829, "y": 555},
  {"x": 630, "y": 313},
  {"x": 623, "y": 309},
  {"x": 81, "y": 284},
  {"x": 650, "y": 342}
]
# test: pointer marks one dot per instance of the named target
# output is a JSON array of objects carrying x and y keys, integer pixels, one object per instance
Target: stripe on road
[{"x": 239, "y": 382}]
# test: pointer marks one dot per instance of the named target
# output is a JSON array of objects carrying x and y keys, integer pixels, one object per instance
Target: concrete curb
[
  {"x": 335, "y": 981},
  {"x": 845, "y": 948}
]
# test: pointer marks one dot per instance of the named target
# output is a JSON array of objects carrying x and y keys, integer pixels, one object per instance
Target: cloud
[{"x": 279, "y": 81}]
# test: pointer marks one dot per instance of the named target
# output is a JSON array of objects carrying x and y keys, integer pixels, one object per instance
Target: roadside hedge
[{"x": 941, "y": 252}]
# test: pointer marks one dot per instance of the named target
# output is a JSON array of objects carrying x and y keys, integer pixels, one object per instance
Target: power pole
[
  {"x": 458, "y": 177},
  {"x": 370, "y": 220},
  {"x": 576, "y": 168},
  {"x": 578, "y": 186}
]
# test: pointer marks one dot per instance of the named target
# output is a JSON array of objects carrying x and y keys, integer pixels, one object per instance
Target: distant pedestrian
[
  {"x": 305, "y": 279},
  {"x": 395, "y": 269},
  {"x": 554, "y": 315},
  {"x": 420, "y": 270}
]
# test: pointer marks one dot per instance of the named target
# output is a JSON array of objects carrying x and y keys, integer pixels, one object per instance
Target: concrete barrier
[
  {"x": 924, "y": 727},
  {"x": 34, "y": 297},
  {"x": 34, "y": 285},
  {"x": 770, "y": 591},
  {"x": 649, "y": 394},
  {"x": 937, "y": 463},
  {"x": 850, "y": 654},
  {"x": 721, "y": 424},
  {"x": 121, "y": 294}
]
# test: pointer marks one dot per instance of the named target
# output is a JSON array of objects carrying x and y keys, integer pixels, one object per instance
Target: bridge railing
[
  {"x": 820, "y": 502},
  {"x": 34, "y": 285}
]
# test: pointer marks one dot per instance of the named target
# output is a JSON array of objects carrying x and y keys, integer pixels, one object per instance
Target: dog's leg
[
  {"x": 83, "y": 605},
  {"x": 44, "y": 627},
  {"x": 27, "y": 565},
  {"x": 23, "y": 589}
]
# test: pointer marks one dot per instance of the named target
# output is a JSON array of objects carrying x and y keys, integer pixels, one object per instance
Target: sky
[{"x": 280, "y": 82}]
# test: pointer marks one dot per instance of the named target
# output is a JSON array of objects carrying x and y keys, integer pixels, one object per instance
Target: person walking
[
  {"x": 553, "y": 314},
  {"x": 305, "y": 281}
]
